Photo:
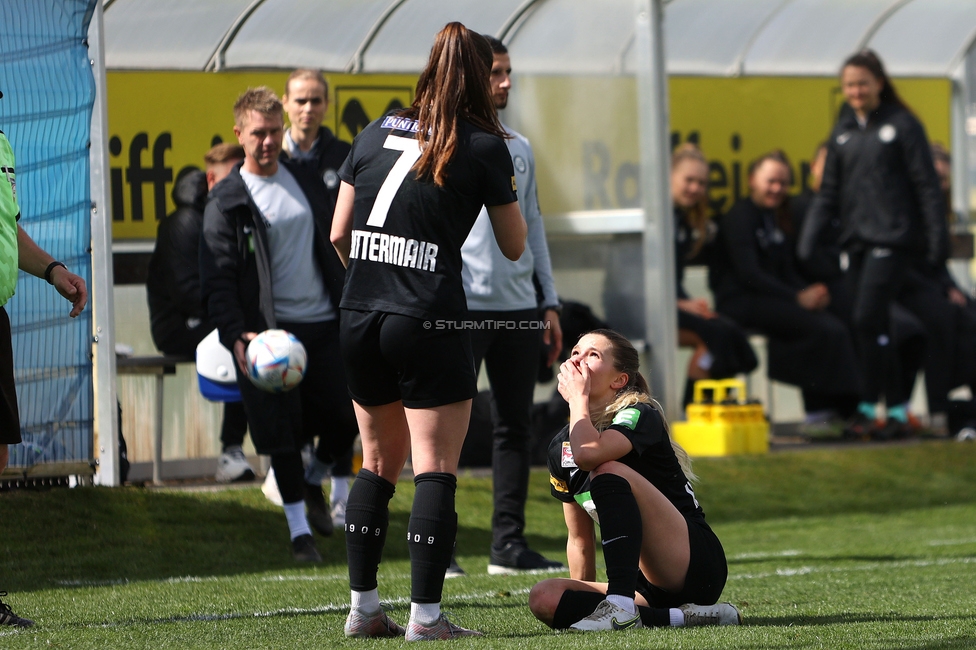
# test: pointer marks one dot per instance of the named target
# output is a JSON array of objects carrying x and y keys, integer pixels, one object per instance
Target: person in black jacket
[
  {"x": 306, "y": 141},
  {"x": 721, "y": 347},
  {"x": 879, "y": 178},
  {"x": 266, "y": 262},
  {"x": 755, "y": 282},
  {"x": 305, "y": 101},
  {"x": 177, "y": 319}
]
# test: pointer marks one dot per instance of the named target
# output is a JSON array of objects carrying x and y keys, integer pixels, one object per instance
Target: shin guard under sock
[
  {"x": 622, "y": 533},
  {"x": 430, "y": 534},
  {"x": 367, "y": 520}
]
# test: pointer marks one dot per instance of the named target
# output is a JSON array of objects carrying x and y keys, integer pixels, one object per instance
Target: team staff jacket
[
  {"x": 405, "y": 255},
  {"x": 881, "y": 182},
  {"x": 651, "y": 456},
  {"x": 754, "y": 256},
  {"x": 329, "y": 152},
  {"x": 235, "y": 263}
]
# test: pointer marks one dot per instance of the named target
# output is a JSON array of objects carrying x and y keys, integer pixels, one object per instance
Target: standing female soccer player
[
  {"x": 616, "y": 464},
  {"x": 880, "y": 180},
  {"x": 412, "y": 187}
]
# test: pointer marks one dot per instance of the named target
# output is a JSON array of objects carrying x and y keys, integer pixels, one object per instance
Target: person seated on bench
[
  {"x": 176, "y": 313},
  {"x": 754, "y": 279}
]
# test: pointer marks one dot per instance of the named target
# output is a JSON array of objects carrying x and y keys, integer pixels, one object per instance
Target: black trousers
[
  {"x": 511, "y": 358},
  {"x": 809, "y": 349}
]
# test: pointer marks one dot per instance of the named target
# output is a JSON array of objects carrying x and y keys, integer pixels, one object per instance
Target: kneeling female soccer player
[{"x": 616, "y": 464}]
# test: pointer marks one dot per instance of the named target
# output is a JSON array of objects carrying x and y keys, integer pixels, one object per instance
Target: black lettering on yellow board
[
  {"x": 357, "y": 106},
  {"x": 130, "y": 168},
  {"x": 727, "y": 180}
]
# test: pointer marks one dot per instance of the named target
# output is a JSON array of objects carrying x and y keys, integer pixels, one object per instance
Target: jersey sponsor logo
[
  {"x": 558, "y": 485},
  {"x": 627, "y": 417},
  {"x": 399, "y": 124},
  {"x": 887, "y": 133},
  {"x": 566, "y": 457},
  {"x": 391, "y": 249},
  {"x": 514, "y": 187}
]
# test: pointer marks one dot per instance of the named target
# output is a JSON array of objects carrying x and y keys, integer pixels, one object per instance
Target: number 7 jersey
[{"x": 405, "y": 256}]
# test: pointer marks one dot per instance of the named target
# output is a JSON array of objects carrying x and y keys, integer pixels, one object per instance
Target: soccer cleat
[
  {"x": 608, "y": 616},
  {"x": 339, "y": 514},
  {"x": 372, "y": 626},
  {"x": 233, "y": 466},
  {"x": 717, "y": 614},
  {"x": 7, "y": 617},
  {"x": 303, "y": 549},
  {"x": 455, "y": 570},
  {"x": 442, "y": 629},
  {"x": 318, "y": 511},
  {"x": 517, "y": 558}
]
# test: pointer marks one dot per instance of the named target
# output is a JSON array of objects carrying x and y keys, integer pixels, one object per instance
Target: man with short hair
[
  {"x": 176, "y": 315},
  {"x": 18, "y": 251},
  {"x": 498, "y": 289},
  {"x": 307, "y": 141},
  {"x": 266, "y": 262}
]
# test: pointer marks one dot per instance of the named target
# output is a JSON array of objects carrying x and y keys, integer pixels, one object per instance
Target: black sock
[
  {"x": 622, "y": 533},
  {"x": 289, "y": 475},
  {"x": 431, "y": 533},
  {"x": 576, "y": 605},
  {"x": 367, "y": 520}
]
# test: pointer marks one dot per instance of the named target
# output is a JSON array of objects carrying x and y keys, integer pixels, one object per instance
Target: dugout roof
[{"x": 920, "y": 38}]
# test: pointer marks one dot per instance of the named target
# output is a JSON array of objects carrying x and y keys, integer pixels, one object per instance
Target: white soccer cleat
[
  {"x": 717, "y": 614},
  {"x": 608, "y": 616},
  {"x": 270, "y": 489},
  {"x": 339, "y": 513},
  {"x": 233, "y": 466}
]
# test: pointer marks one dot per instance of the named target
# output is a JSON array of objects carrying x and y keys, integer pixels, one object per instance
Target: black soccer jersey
[
  {"x": 407, "y": 233},
  {"x": 651, "y": 456}
]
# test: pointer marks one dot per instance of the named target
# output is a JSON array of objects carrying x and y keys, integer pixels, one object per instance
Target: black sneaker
[
  {"x": 303, "y": 549},
  {"x": 454, "y": 570},
  {"x": 7, "y": 617},
  {"x": 517, "y": 558},
  {"x": 319, "y": 516}
]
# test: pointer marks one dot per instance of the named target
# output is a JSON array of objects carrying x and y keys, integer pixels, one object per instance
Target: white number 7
[{"x": 411, "y": 152}]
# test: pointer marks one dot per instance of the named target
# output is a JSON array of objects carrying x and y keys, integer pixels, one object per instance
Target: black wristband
[{"x": 50, "y": 267}]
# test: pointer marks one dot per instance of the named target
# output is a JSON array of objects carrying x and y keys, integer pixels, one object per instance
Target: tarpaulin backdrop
[{"x": 48, "y": 94}]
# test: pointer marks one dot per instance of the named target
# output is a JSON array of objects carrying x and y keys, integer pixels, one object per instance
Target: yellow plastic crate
[{"x": 724, "y": 426}]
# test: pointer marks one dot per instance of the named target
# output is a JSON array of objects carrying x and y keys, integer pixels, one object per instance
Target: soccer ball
[{"x": 276, "y": 361}]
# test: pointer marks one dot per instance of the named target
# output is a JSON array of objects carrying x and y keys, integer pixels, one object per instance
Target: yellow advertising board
[
  {"x": 161, "y": 122},
  {"x": 583, "y": 129}
]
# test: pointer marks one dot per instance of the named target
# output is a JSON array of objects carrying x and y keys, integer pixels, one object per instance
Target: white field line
[
  {"x": 870, "y": 566},
  {"x": 952, "y": 542},
  {"x": 763, "y": 555},
  {"x": 330, "y": 608}
]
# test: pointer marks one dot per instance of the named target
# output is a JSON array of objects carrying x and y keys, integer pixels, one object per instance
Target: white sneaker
[
  {"x": 233, "y": 466},
  {"x": 270, "y": 489},
  {"x": 339, "y": 513},
  {"x": 717, "y": 614},
  {"x": 608, "y": 616}
]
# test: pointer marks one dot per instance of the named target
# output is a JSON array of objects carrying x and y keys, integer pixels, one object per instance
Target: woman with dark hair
[
  {"x": 615, "y": 464},
  {"x": 721, "y": 349},
  {"x": 411, "y": 189},
  {"x": 756, "y": 284},
  {"x": 880, "y": 180}
]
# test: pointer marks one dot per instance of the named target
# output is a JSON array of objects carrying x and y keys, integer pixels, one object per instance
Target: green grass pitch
[{"x": 844, "y": 548}]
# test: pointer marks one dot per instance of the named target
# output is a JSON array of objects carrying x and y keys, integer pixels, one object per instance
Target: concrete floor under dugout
[{"x": 191, "y": 424}]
